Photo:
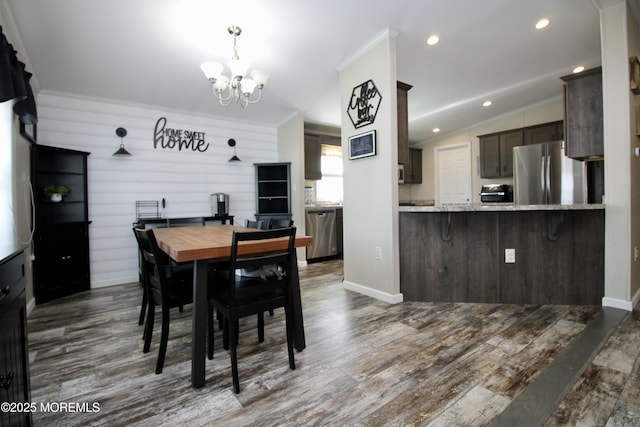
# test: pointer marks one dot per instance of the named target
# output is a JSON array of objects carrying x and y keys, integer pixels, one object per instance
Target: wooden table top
[{"x": 213, "y": 242}]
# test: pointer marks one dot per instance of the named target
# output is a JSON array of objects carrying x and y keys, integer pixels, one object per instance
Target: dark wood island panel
[{"x": 460, "y": 256}]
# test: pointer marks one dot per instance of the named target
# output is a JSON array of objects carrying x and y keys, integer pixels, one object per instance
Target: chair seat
[{"x": 249, "y": 290}]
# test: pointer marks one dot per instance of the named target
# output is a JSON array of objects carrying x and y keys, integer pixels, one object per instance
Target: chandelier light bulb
[
  {"x": 211, "y": 69},
  {"x": 235, "y": 87},
  {"x": 248, "y": 86}
]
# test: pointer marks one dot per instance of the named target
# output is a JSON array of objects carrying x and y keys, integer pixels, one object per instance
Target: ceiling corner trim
[{"x": 385, "y": 34}]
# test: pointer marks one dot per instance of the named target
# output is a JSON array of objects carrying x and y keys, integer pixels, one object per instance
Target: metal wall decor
[
  {"x": 121, "y": 132},
  {"x": 28, "y": 131},
  {"x": 364, "y": 104},
  {"x": 232, "y": 143},
  {"x": 170, "y": 138}
]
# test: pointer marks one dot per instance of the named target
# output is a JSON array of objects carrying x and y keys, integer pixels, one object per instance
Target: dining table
[{"x": 204, "y": 245}]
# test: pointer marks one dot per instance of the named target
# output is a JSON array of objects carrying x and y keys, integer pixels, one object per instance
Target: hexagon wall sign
[{"x": 364, "y": 104}]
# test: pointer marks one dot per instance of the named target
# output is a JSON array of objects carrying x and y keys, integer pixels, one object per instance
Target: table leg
[
  {"x": 299, "y": 341},
  {"x": 199, "y": 321}
]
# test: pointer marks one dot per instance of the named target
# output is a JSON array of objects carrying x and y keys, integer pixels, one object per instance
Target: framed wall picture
[
  {"x": 28, "y": 132},
  {"x": 363, "y": 145}
]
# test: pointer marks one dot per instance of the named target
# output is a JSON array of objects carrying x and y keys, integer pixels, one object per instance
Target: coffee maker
[{"x": 220, "y": 204}]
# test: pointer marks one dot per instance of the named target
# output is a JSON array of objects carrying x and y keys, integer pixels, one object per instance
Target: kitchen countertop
[
  {"x": 322, "y": 207},
  {"x": 498, "y": 207}
]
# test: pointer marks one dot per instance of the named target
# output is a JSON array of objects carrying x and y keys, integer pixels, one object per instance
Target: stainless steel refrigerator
[{"x": 543, "y": 175}]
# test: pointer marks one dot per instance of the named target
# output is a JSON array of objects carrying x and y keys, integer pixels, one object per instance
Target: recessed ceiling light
[
  {"x": 436, "y": 130},
  {"x": 433, "y": 40},
  {"x": 486, "y": 103},
  {"x": 542, "y": 23},
  {"x": 578, "y": 69}
]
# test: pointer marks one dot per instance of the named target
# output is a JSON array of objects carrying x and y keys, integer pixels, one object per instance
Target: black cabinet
[
  {"x": 584, "y": 131},
  {"x": 273, "y": 191},
  {"x": 61, "y": 239},
  {"x": 14, "y": 354}
]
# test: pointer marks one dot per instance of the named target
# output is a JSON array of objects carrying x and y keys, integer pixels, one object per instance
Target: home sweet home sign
[{"x": 170, "y": 138}]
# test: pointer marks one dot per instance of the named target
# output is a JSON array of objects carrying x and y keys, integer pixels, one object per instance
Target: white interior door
[{"x": 453, "y": 174}]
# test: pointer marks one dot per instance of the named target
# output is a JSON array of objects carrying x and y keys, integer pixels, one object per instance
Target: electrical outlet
[
  {"x": 378, "y": 253},
  {"x": 510, "y": 256}
]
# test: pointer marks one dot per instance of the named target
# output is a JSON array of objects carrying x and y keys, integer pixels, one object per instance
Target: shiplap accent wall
[{"x": 185, "y": 179}]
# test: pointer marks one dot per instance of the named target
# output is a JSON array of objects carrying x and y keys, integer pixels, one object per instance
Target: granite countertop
[
  {"x": 498, "y": 207},
  {"x": 321, "y": 207}
]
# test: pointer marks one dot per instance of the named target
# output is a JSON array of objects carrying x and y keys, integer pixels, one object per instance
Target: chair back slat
[
  {"x": 279, "y": 223},
  {"x": 184, "y": 222},
  {"x": 261, "y": 225},
  {"x": 280, "y": 257}
]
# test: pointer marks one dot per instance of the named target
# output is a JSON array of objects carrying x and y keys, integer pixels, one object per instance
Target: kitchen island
[{"x": 503, "y": 253}]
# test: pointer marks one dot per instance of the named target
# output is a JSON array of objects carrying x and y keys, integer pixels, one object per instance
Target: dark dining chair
[
  {"x": 185, "y": 222},
  {"x": 279, "y": 223},
  {"x": 165, "y": 287},
  {"x": 235, "y": 296},
  {"x": 260, "y": 225}
]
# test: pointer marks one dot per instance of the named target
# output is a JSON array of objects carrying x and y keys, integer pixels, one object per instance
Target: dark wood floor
[{"x": 367, "y": 363}]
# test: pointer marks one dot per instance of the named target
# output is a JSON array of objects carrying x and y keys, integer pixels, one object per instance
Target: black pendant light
[
  {"x": 234, "y": 158},
  {"x": 121, "y": 132}
]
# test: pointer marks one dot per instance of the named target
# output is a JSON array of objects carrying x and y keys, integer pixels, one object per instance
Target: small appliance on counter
[
  {"x": 497, "y": 193},
  {"x": 220, "y": 204}
]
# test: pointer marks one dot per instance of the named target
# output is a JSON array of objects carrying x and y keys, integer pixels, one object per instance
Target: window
[{"x": 329, "y": 188}]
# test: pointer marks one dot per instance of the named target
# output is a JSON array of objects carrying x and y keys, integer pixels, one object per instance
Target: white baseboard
[
  {"x": 618, "y": 303},
  {"x": 374, "y": 293},
  {"x": 113, "y": 282}
]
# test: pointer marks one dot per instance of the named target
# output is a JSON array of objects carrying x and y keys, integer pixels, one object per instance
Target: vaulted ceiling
[{"x": 148, "y": 52}]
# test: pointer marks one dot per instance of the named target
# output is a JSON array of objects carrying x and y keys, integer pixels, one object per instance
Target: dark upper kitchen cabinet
[
  {"x": 403, "y": 123},
  {"x": 544, "y": 133},
  {"x": 413, "y": 169},
  {"x": 496, "y": 153},
  {"x": 489, "y": 156},
  {"x": 14, "y": 348},
  {"x": 496, "y": 149},
  {"x": 61, "y": 237},
  {"x": 584, "y": 134},
  {"x": 273, "y": 191},
  {"x": 312, "y": 157},
  {"x": 416, "y": 165}
]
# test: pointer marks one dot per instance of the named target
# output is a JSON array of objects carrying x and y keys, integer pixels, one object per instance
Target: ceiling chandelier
[{"x": 237, "y": 87}]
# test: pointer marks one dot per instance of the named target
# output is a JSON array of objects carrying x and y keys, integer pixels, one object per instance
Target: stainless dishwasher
[{"x": 321, "y": 225}]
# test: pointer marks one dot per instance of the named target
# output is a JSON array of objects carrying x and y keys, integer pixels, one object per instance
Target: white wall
[
  {"x": 291, "y": 149},
  {"x": 370, "y": 184},
  {"x": 184, "y": 178},
  {"x": 618, "y": 147},
  {"x": 633, "y": 39}
]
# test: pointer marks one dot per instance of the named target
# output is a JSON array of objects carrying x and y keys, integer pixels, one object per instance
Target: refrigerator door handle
[
  {"x": 543, "y": 175},
  {"x": 547, "y": 188}
]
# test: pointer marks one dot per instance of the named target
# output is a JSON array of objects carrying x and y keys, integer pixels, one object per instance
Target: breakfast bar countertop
[{"x": 498, "y": 207}]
